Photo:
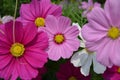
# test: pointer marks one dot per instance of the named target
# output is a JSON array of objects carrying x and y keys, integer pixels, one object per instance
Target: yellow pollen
[
  {"x": 72, "y": 78},
  {"x": 40, "y": 22},
  {"x": 119, "y": 70},
  {"x": 17, "y": 49},
  {"x": 113, "y": 33},
  {"x": 59, "y": 38},
  {"x": 90, "y": 8}
]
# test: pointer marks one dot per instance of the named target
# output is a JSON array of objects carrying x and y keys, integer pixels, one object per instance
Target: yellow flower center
[
  {"x": 72, "y": 78},
  {"x": 90, "y": 8},
  {"x": 17, "y": 49},
  {"x": 113, "y": 33},
  {"x": 119, "y": 70},
  {"x": 59, "y": 38},
  {"x": 40, "y": 22}
]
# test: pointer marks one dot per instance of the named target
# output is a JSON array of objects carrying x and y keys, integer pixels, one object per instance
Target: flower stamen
[
  {"x": 59, "y": 38},
  {"x": 72, "y": 78},
  {"x": 113, "y": 33},
  {"x": 17, "y": 49},
  {"x": 119, "y": 70},
  {"x": 40, "y": 22}
]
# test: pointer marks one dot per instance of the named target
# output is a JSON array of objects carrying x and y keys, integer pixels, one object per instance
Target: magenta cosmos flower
[
  {"x": 37, "y": 11},
  {"x": 22, "y": 51},
  {"x": 62, "y": 37},
  {"x": 88, "y": 6},
  {"x": 68, "y": 72},
  {"x": 112, "y": 73},
  {"x": 102, "y": 33}
]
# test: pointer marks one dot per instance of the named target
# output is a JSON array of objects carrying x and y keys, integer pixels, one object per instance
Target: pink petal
[
  {"x": 52, "y": 23},
  {"x": 112, "y": 11},
  {"x": 4, "y": 49},
  {"x": 115, "y": 51},
  {"x": 63, "y": 23},
  {"x": 35, "y": 8},
  {"x": 26, "y": 72},
  {"x": 71, "y": 32},
  {"x": 89, "y": 33},
  {"x": 7, "y": 71},
  {"x": 5, "y": 60},
  {"x": 96, "y": 4},
  {"x": 55, "y": 10},
  {"x": 41, "y": 41},
  {"x": 48, "y": 8},
  {"x": 36, "y": 58},
  {"x": 30, "y": 31},
  {"x": 25, "y": 12},
  {"x": 67, "y": 51},
  {"x": 18, "y": 29},
  {"x": 104, "y": 52},
  {"x": 84, "y": 5},
  {"x": 15, "y": 73},
  {"x": 3, "y": 37},
  {"x": 98, "y": 19},
  {"x": 73, "y": 44},
  {"x": 90, "y": 2},
  {"x": 53, "y": 52}
]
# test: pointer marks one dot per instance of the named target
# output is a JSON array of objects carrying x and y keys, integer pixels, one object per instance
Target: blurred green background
[{"x": 70, "y": 10}]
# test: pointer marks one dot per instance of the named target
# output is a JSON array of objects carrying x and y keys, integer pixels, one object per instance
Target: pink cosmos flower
[
  {"x": 68, "y": 72},
  {"x": 22, "y": 51},
  {"x": 102, "y": 33},
  {"x": 112, "y": 73},
  {"x": 88, "y": 6},
  {"x": 62, "y": 37},
  {"x": 37, "y": 11}
]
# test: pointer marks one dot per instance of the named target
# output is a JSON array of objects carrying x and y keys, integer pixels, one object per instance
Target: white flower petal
[
  {"x": 82, "y": 44},
  {"x": 6, "y": 19},
  {"x": 97, "y": 67},
  {"x": 76, "y": 24},
  {"x": 79, "y": 58},
  {"x": 85, "y": 69}
]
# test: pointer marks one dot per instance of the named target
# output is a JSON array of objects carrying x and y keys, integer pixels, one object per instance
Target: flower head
[
  {"x": 37, "y": 11},
  {"x": 88, "y": 6},
  {"x": 62, "y": 37},
  {"x": 84, "y": 59},
  {"x": 68, "y": 72},
  {"x": 112, "y": 73},
  {"x": 102, "y": 33},
  {"x": 22, "y": 51}
]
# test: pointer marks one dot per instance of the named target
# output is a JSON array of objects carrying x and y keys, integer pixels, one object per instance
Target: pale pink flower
[
  {"x": 102, "y": 33},
  {"x": 62, "y": 37},
  {"x": 88, "y": 6}
]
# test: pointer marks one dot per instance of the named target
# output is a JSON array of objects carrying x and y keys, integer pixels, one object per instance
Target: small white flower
[
  {"x": 6, "y": 19},
  {"x": 85, "y": 58}
]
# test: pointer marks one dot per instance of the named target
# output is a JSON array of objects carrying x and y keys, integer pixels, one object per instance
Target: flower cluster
[
  {"x": 41, "y": 34},
  {"x": 38, "y": 34}
]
